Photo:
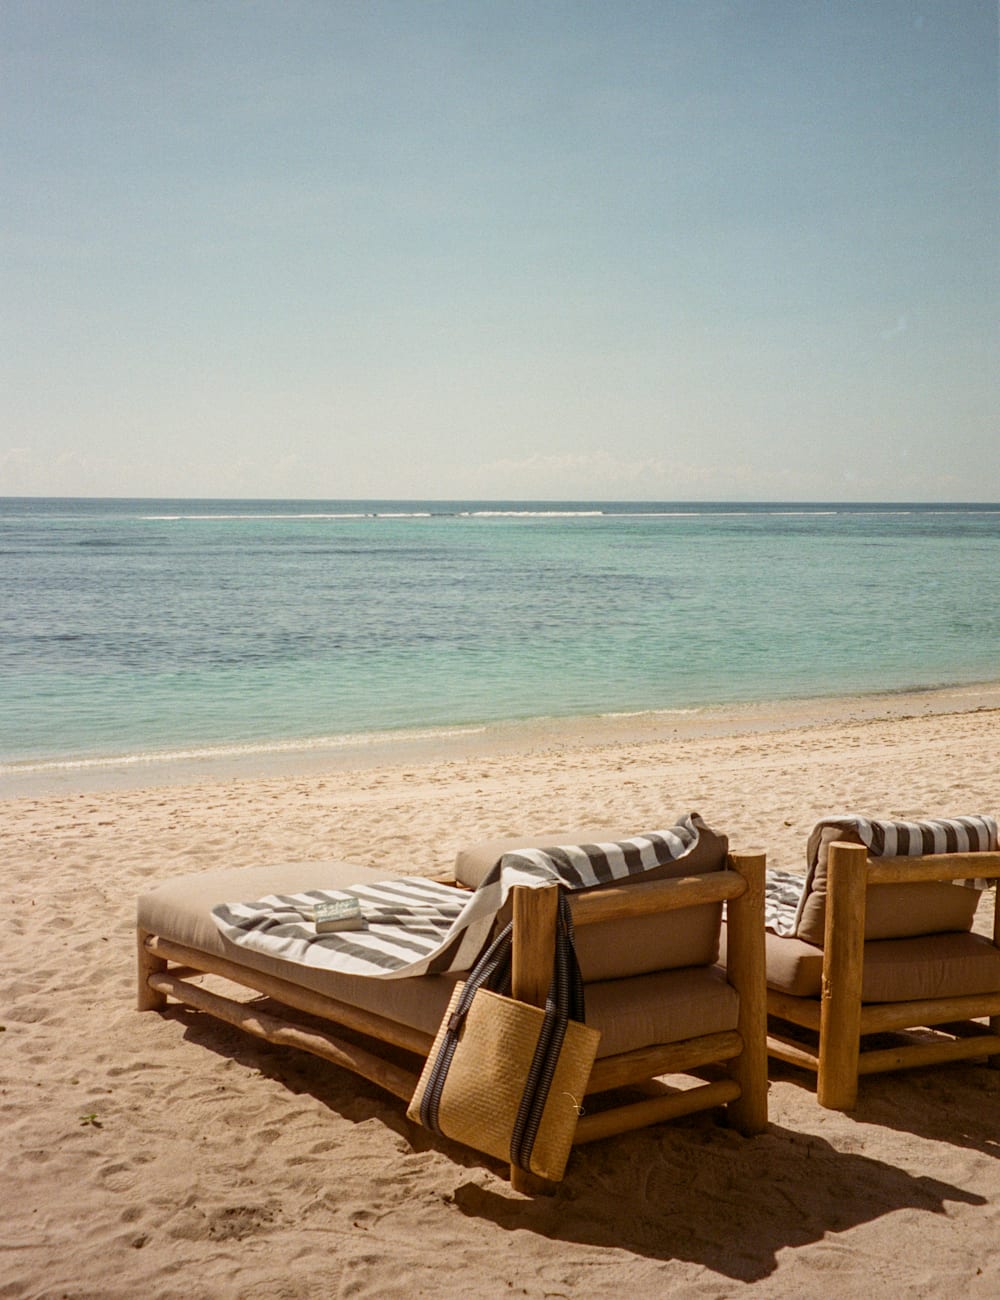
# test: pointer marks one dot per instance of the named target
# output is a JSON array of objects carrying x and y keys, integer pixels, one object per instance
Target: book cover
[{"x": 344, "y": 914}]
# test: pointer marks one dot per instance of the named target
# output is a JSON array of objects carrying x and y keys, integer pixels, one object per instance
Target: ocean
[{"x": 133, "y": 629}]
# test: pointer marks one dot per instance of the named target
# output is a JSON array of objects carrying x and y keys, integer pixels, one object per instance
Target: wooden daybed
[{"x": 668, "y": 1010}]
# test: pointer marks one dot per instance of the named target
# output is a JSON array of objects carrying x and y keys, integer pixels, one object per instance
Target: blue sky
[{"x": 734, "y": 249}]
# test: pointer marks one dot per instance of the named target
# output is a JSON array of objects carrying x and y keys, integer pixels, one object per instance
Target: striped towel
[
  {"x": 904, "y": 839},
  {"x": 782, "y": 892},
  {"x": 419, "y": 927}
]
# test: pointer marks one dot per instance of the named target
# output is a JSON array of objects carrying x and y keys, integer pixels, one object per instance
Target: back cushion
[
  {"x": 893, "y": 911},
  {"x": 638, "y": 945}
]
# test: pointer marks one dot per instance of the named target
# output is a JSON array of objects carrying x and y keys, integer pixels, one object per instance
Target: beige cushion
[
  {"x": 892, "y": 911},
  {"x": 895, "y": 970},
  {"x": 181, "y": 910},
  {"x": 630, "y": 1013},
  {"x": 637, "y": 945},
  {"x": 793, "y": 966},
  {"x": 663, "y": 1008},
  {"x": 931, "y": 966}
]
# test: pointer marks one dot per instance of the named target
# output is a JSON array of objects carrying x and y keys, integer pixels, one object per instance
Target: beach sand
[{"x": 170, "y": 1156}]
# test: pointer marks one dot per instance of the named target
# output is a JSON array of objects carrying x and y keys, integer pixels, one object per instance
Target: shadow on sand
[
  {"x": 692, "y": 1191},
  {"x": 958, "y": 1104},
  {"x": 700, "y": 1193}
]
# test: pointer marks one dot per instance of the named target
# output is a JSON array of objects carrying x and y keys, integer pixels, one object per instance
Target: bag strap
[
  {"x": 491, "y": 971},
  {"x": 564, "y": 1003}
]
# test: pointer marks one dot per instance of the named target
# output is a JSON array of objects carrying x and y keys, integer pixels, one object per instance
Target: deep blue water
[{"x": 128, "y": 627}]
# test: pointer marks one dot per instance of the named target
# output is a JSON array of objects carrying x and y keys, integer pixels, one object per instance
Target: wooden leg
[
  {"x": 746, "y": 972},
  {"x": 843, "y": 966},
  {"x": 994, "y": 1061},
  {"x": 147, "y": 964},
  {"x": 532, "y": 961}
]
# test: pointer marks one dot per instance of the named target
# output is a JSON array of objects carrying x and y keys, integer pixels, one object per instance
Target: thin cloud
[{"x": 901, "y": 326}]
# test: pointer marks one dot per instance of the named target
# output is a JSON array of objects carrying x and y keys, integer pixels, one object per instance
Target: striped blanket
[
  {"x": 419, "y": 927},
  {"x": 782, "y": 894},
  {"x": 906, "y": 839}
]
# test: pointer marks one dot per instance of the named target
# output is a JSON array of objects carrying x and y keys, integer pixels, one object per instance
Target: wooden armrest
[
  {"x": 936, "y": 866},
  {"x": 616, "y": 902}
]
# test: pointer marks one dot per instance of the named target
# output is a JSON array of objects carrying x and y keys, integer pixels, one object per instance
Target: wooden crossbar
[
  {"x": 317, "y": 1042},
  {"x": 908, "y": 1055},
  {"x": 887, "y": 1016},
  {"x": 670, "y": 1058},
  {"x": 654, "y": 1110},
  {"x": 293, "y": 995},
  {"x": 951, "y": 866},
  {"x": 617, "y": 902},
  {"x": 792, "y": 1052}
]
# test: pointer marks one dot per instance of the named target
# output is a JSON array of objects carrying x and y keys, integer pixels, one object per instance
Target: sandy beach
[{"x": 170, "y": 1156}]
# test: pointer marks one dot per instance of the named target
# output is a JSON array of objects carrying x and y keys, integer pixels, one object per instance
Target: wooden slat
[
  {"x": 840, "y": 1002},
  {"x": 616, "y": 902},
  {"x": 284, "y": 1033},
  {"x": 963, "y": 1028},
  {"x": 994, "y": 1061},
  {"x": 745, "y": 961},
  {"x": 294, "y": 995},
  {"x": 147, "y": 963},
  {"x": 885, "y": 1016},
  {"x": 533, "y": 953},
  {"x": 906, "y": 1057},
  {"x": 654, "y": 1110},
  {"x": 668, "y": 1058},
  {"x": 935, "y": 866},
  {"x": 800, "y": 1011},
  {"x": 532, "y": 960},
  {"x": 786, "y": 1049}
]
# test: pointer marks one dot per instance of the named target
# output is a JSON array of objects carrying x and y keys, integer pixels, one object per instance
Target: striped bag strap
[
  {"x": 564, "y": 1003},
  {"x": 491, "y": 971}
]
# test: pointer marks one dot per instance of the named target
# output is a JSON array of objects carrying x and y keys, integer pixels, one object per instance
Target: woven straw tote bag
[{"x": 507, "y": 1078}]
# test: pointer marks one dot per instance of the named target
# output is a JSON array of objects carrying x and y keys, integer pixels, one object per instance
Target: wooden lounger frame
[
  {"x": 166, "y": 970},
  {"x": 839, "y": 1019}
]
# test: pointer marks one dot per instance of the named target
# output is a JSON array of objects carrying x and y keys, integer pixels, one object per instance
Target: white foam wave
[
  {"x": 651, "y": 713},
  {"x": 212, "y": 518},
  {"x": 532, "y": 514},
  {"x": 316, "y": 744}
]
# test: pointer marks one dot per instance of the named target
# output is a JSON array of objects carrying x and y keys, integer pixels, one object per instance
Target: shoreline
[{"x": 211, "y": 764}]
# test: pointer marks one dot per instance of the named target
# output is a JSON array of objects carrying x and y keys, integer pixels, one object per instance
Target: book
[{"x": 344, "y": 914}]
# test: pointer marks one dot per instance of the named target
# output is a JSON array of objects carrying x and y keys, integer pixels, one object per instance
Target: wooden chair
[
  {"x": 177, "y": 947},
  {"x": 953, "y": 980}
]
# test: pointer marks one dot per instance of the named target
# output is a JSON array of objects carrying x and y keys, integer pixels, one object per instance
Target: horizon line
[{"x": 690, "y": 501}]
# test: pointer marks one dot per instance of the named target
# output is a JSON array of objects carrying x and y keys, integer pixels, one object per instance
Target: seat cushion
[
  {"x": 636, "y": 945},
  {"x": 793, "y": 966},
  {"x": 665, "y": 1007},
  {"x": 895, "y": 970},
  {"x": 932, "y": 966}
]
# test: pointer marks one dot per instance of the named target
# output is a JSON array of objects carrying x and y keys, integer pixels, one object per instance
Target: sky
[{"x": 529, "y": 249}]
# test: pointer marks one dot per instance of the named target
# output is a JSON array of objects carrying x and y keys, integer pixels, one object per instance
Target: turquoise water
[{"x": 134, "y": 627}]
